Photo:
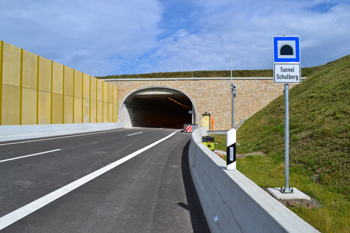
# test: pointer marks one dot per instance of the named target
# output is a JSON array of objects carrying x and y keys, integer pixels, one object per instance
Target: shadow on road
[{"x": 198, "y": 220}]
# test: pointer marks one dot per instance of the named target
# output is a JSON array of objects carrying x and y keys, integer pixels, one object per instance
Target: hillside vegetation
[
  {"x": 207, "y": 74},
  {"x": 319, "y": 125},
  {"x": 319, "y": 145}
]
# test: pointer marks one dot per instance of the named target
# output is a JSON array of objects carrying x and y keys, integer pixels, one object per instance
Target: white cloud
[
  {"x": 136, "y": 36},
  {"x": 244, "y": 31},
  {"x": 86, "y": 35}
]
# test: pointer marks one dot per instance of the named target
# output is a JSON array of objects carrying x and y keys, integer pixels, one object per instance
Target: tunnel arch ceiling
[{"x": 157, "y": 106}]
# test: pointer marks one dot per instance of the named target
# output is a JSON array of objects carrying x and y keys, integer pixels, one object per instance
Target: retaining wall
[
  {"x": 213, "y": 94},
  {"x": 233, "y": 203}
]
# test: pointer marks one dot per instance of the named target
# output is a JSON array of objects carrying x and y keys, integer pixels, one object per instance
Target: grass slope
[
  {"x": 198, "y": 74},
  {"x": 319, "y": 144},
  {"x": 319, "y": 125}
]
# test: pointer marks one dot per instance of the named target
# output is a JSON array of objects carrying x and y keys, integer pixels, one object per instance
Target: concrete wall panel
[
  {"x": 115, "y": 94},
  {"x": 19, "y": 132},
  {"x": 78, "y": 110},
  {"x": 105, "y": 92},
  {"x": 11, "y": 65},
  {"x": 93, "y": 88},
  {"x": 30, "y": 70},
  {"x": 86, "y": 86},
  {"x": 110, "y": 112},
  {"x": 10, "y": 105},
  {"x": 57, "y": 108},
  {"x": 68, "y": 109},
  {"x": 68, "y": 81},
  {"x": 44, "y": 74},
  {"x": 44, "y": 108},
  {"x": 99, "y": 90},
  {"x": 237, "y": 202},
  {"x": 93, "y": 111},
  {"x": 29, "y": 108},
  {"x": 57, "y": 78},
  {"x": 105, "y": 112},
  {"x": 115, "y": 113},
  {"x": 110, "y": 93},
  {"x": 78, "y": 84},
  {"x": 1, "y": 48},
  {"x": 99, "y": 112},
  {"x": 86, "y": 110}
]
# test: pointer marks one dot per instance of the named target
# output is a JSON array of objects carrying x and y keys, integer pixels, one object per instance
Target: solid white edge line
[
  {"x": 133, "y": 134},
  {"x": 25, "y": 156},
  {"x": 22, "y": 212},
  {"x": 59, "y": 137}
]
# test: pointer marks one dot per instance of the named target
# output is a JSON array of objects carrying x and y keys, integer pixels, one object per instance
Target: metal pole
[
  {"x": 233, "y": 108},
  {"x": 286, "y": 142},
  {"x": 233, "y": 100}
]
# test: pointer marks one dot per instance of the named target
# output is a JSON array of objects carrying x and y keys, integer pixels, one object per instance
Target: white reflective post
[{"x": 231, "y": 149}]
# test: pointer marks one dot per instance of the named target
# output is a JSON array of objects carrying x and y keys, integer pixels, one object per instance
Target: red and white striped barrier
[{"x": 189, "y": 129}]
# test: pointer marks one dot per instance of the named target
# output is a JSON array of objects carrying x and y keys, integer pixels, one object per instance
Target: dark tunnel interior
[{"x": 160, "y": 110}]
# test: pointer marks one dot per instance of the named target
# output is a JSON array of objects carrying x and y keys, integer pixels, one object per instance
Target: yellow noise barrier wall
[{"x": 35, "y": 90}]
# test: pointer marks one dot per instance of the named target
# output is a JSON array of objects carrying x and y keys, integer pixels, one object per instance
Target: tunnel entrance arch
[{"x": 157, "y": 106}]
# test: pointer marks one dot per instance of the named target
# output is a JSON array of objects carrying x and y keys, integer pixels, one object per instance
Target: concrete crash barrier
[
  {"x": 233, "y": 203},
  {"x": 18, "y": 132}
]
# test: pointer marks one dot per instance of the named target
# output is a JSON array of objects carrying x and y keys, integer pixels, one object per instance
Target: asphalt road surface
[{"x": 124, "y": 180}]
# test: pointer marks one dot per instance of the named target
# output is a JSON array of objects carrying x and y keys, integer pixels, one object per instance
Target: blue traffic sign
[{"x": 286, "y": 49}]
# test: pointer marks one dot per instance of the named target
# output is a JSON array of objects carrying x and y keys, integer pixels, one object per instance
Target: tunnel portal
[{"x": 157, "y": 107}]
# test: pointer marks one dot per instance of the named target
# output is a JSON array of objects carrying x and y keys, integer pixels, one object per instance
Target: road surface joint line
[
  {"x": 39, "y": 140},
  {"x": 24, "y": 211},
  {"x": 31, "y": 155}
]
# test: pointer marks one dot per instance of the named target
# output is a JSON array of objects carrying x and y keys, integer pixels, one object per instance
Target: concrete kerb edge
[
  {"x": 19, "y": 132},
  {"x": 237, "y": 201}
]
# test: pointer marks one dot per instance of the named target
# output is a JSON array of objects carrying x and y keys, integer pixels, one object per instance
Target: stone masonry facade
[{"x": 214, "y": 94}]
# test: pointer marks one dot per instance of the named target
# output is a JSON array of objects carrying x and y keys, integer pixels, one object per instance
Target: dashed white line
[
  {"x": 26, "y": 156},
  {"x": 133, "y": 134}
]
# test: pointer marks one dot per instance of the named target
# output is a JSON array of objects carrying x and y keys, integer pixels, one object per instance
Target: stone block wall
[{"x": 214, "y": 94}]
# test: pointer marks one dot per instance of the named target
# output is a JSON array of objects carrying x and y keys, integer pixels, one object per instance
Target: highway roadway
[{"x": 123, "y": 180}]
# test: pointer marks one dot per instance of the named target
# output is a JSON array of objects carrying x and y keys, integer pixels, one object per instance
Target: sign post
[{"x": 286, "y": 57}]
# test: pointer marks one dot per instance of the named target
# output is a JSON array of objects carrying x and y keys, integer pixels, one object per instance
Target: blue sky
[{"x": 108, "y": 37}]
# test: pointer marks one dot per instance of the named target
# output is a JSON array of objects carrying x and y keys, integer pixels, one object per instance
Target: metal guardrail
[
  {"x": 225, "y": 131},
  {"x": 239, "y": 125}
]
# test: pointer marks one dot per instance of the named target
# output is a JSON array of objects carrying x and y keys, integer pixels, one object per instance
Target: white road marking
[
  {"x": 25, "y": 156},
  {"x": 38, "y": 140},
  {"x": 22, "y": 212},
  {"x": 133, "y": 134}
]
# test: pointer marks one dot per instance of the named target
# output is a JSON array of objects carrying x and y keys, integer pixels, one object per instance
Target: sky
[{"x": 113, "y": 37}]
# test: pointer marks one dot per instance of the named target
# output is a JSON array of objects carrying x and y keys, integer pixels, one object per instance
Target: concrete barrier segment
[
  {"x": 18, "y": 132},
  {"x": 233, "y": 203}
]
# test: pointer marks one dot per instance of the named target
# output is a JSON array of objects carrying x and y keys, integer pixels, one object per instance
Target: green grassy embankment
[
  {"x": 207, "y": 74},
  {"x": 319, "y": 113}
]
